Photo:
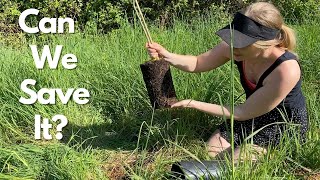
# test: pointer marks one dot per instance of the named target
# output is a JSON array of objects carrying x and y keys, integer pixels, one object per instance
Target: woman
[{"x": 270, "y": 75}]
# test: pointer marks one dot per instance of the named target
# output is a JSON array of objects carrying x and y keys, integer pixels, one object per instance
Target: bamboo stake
[{"x": 143, "y": 23}]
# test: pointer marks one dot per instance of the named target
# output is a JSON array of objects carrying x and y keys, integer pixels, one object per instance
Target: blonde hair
[{"x": 268, "y": 15}]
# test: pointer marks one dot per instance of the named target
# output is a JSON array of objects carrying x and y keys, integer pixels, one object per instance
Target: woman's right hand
[{"x": 155, "y": 50}]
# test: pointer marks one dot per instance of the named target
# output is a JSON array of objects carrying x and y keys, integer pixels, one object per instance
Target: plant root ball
[{"x": 159, "y": 84}]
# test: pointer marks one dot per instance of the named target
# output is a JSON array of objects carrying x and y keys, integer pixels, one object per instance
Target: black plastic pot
[{"x": 195, "y": 170}]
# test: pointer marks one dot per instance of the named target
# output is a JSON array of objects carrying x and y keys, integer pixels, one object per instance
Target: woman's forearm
[
  {"x": 186, "y": 63},
  {"x": 215, "y": 109}
]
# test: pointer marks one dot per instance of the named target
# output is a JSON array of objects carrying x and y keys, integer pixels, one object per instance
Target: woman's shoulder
[
  {"x": 286, "y": 72},
  {"x": 288, "y": 64}
]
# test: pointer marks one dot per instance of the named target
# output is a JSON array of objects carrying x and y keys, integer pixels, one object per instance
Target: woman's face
[{"x": 246, "y": 53}]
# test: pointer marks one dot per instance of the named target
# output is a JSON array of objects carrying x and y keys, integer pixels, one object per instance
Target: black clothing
[{"x": 291, "y": 109}]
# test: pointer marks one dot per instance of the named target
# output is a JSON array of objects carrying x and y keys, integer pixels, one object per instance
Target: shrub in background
[
  {"x": 299, "y": 11},
  {"x": 108, "y": 14}
]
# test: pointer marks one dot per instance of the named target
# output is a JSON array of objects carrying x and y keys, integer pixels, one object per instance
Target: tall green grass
[{"x": 100, "y": 141}]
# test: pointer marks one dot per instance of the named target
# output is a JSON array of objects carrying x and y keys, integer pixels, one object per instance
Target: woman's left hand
[{"x": 183, "y": 104}]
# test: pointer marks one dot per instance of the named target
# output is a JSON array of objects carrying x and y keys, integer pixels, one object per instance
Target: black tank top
[{"x": 294, "y": 99}]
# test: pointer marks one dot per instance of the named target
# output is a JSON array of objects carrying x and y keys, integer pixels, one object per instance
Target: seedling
[{"x": 156, "y": 73}]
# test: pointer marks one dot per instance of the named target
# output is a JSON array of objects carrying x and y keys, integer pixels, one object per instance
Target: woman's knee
[{"x": 217, "y": 144}]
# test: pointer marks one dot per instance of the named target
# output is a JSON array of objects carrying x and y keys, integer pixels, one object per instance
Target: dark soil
[{"x": 158, "y": 80}]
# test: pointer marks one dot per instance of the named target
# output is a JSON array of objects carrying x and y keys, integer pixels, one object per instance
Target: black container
[{"x": 195, "y": 170}]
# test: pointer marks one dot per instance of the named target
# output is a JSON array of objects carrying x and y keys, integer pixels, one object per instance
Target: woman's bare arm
[
  {"x": 213, "y": 58},
  {"x": 204, "y": 62},
  {"x": 275, "y": 88}
]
